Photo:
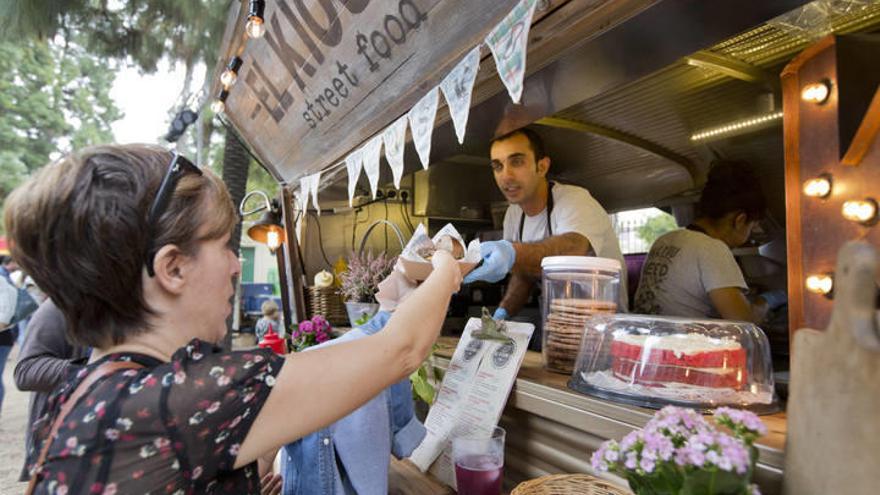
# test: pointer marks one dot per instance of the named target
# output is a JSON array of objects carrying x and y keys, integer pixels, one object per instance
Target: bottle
[{"x": 271, "y": 340}]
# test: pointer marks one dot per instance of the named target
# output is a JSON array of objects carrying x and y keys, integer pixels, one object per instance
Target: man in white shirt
[
  {"x": 544, "y": 219},
  {"x": 691, "y": 272}
]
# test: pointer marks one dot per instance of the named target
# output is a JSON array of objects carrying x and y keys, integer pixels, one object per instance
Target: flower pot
[{"x": 360, "y": 313}]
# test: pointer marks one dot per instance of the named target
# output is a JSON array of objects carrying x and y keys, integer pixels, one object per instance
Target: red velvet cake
[{"x": 690, "y": 359}]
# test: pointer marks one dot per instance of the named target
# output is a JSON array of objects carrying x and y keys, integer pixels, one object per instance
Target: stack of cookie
[{"x": 564, "y": 330}]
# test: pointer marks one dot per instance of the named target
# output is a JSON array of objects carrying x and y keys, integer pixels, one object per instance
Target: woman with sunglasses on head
[{"x": 131, "y": 243}]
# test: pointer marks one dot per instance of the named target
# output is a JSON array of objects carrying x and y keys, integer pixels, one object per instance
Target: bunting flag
[
  {"x": 370, "y": 154},
  {"x": 314, "y": 184},
  {"x": 302, "y": 198},
  {"x": 353, "y": 164},
  {"x": 421, "y": 121},
  {"x": 508, "y": 44},
  {"x": 458, "y": 87},
  {"x": 394, "y": 138}
]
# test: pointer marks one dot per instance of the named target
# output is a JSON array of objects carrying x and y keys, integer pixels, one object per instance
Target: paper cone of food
[{"x": 416, "y": 256}]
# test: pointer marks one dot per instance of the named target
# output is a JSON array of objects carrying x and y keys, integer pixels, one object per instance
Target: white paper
[
  {"x": 303, "y": 196},
  {"x": 473, "y": 394},
  {"x": 370, "y": 154},
  {"x": 508, "y": 43},
  {"x": 353, "y": 163},
  {"x": 394, "y": 138},
  {"x": 458, "y": 86},
  {"x": 421, "y": 121},
  {"x": 420, "y": 242}
]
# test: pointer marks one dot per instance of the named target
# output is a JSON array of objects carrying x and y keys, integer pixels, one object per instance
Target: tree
[
  {"x": 655, "y": 227},
  {"x": 53, "y": 98}
]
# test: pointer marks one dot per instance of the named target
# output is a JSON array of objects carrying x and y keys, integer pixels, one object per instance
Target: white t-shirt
[
  {"x": 574, "y": 210},
  {"x": 681, "y": 269}
]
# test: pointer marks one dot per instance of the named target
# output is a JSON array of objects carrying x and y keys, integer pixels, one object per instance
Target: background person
[
  {"x": 164, "y": 409},
  {"x": 691, "y": 272},
  {"x": 544, "y": 219}
]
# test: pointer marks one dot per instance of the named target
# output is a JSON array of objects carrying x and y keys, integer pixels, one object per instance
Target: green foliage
[
  {"x": 53, "y": 98},
  {"x": 655, "y": 227}
]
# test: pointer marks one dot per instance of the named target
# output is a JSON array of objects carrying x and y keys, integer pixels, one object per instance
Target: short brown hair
[{"x": 79, "y": 228}]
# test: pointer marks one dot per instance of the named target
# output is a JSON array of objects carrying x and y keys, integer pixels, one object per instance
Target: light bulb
[
  {"x": 218, "y": 106},
  {"x": 273, "y": 240},
  {"x": 860, "y": 210},
  {"x": 820, "y": 283},
  {"x": 255, "y": 27},
  {"x": 228, "y": 78},
  {"x": 818, "y": 187},
  {"x": 816, "y": 92}
]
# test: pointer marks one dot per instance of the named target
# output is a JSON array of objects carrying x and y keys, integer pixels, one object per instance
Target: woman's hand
[
  {"x": 271, "y": 484},
  {"x": 443, "y": 261}
]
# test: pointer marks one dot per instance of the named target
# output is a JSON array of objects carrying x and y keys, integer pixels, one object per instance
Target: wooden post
[{"x": 292, "y": 286}]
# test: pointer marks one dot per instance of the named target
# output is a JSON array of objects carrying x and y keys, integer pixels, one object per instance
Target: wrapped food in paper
[{"x": 416, "y": 256}]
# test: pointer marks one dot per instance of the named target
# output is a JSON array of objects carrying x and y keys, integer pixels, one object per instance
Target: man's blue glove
[
  {"x": 775, "y": 298},
  {"x": 500, "y": 314},
  {"x": 498, "y": 258}
]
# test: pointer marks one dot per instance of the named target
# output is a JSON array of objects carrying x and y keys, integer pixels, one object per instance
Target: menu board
[{"x": 473, "y": 394}]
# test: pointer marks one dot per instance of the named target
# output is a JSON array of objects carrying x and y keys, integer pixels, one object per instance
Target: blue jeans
[{"x": 4, "y": 353}]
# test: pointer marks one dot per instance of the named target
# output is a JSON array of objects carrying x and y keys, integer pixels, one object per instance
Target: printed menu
[{"x": 473, "y": 394}]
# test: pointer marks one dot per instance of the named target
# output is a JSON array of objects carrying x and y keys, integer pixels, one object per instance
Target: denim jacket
[{"x": 360, "y": 443}]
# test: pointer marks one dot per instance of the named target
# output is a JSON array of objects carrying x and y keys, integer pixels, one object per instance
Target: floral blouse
[{"x": 166, "y": 428}]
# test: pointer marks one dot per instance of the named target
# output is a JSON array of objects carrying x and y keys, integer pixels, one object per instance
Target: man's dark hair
[
  {"x": 732, "y": 187},
  {"x": 535, "y": 141},
  {"x": 5, "y": 259}
]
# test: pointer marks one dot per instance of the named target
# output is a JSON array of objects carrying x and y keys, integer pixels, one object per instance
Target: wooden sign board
[{"x": 329, "y": 74}]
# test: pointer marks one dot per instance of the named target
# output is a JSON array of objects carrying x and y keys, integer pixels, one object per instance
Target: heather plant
[
  {"x": 679, "y": 452},
  {"x": 361, "y": 281}
]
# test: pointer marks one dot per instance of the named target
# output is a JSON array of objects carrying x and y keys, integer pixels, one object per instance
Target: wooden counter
[{"x": 553, "y": 429}]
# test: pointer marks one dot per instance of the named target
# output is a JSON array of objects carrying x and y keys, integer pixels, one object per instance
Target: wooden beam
[
  {"x": 294, "y": 289},
  {"x": 865, "y": 135},
  {"x": 730, "y": 66},
  {"x": 623, "y": 137}
]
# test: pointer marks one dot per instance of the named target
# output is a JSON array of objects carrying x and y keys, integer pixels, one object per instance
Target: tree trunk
[{"x": 236, "y": 163}]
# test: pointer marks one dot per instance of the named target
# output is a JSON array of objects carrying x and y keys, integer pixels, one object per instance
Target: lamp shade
[{"x": 268, "y": 230}]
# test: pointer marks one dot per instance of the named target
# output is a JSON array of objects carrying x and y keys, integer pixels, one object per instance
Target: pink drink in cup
[{"x": 479, "y": 462}]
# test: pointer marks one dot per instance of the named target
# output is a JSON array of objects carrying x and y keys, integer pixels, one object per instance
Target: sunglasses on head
[{"x": 178, "y": 167}]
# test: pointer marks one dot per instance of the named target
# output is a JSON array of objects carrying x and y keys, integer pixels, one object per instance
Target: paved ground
[{"x": 13, "y": 422}]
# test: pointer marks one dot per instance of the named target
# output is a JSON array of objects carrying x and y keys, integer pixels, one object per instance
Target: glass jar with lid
[{"x": 574, "y": 289}]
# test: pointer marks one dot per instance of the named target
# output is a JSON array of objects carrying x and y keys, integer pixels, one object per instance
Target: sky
[{"x": 146, "y": 99}]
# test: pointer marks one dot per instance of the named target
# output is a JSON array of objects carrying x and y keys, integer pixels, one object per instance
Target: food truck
[{"x": 634, "y": 98}]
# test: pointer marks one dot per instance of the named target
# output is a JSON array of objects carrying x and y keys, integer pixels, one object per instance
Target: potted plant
[
  {"x": 360, "y": 282},
  {"x": 679, "y": 452},
  {"x": 310, "y": 332}
]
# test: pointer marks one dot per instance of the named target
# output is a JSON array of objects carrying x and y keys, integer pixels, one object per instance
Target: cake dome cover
[{"x": 653, "y": 361}]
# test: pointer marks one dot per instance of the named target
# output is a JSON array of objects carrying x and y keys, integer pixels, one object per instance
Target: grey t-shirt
[{"x": 681, "y": 268}]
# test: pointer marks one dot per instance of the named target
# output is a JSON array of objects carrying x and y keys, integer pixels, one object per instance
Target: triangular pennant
[
  {"x": 314, "y": 184},
  {"x": 394, "y": 138},
  {"x": 303, "y": 196},
  {"x": 508, "y": 44},
  {"x": 370, "y": 153},
  {"x": 421, "y": 121},
  {"x": 457, "y": 89},
  {"x": 353, "y": 164}
]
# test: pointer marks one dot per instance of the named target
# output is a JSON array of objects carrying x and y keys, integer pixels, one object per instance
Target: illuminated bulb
[
  {"x": 255, "y": 27},
  {"x": 820, "y": 284},
  {"x": 228, "y": 78},
  {"x": 273, "y": 240},
  {"x": 218, "y": 106},
  {"x": 860, "y": 210},
  {"x": 819, "y": 187},
  {"x": 815, "y": 93}
]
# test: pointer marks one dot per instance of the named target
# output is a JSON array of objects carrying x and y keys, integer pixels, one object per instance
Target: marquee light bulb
[
  {"x": 816, "y": 92},
  {"x": 820, "y": 283},
  {"x": 860, "y": 210},
  {"x": 818, "y": 187}
]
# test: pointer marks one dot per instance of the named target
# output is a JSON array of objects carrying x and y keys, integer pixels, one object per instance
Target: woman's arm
[{"x": 314, "y": 389}]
